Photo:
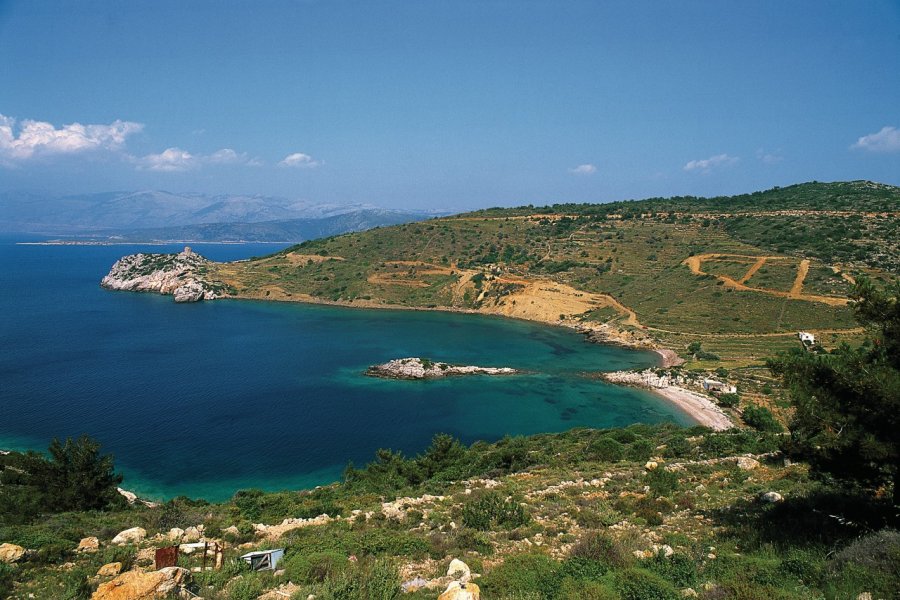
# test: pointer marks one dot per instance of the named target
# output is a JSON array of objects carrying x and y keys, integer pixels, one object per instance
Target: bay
[{"x": 208, "y": 398}]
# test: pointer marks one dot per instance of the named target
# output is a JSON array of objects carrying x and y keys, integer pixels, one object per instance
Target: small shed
[
  {"x": 264, "y": 560},
  {"x": 717, "y": 387}
]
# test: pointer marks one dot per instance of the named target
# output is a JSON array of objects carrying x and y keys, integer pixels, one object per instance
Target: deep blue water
[{"x": 207, "y": 398}]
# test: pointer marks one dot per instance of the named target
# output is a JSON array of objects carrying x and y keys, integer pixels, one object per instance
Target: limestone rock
[
  {"x": 745, "y": 463},
  {"x": 134, "y": 585},
  {"x": 689, "y": 593},
  {"x": 175, "y": 534},
  {"x": 286, "y": 590},
  {"x": 110, "y": 569},
  {"x": 417, "y": 368},
  {"x": 192, "y": 534},
  {"x": 183, "y": 275},
  {"x": 10, "y": 553},
  {"x": 135, "y": 535},
  {"x": 88, "y": 544},
  {"x": 461, "y": 591},
  {"x": 459, "y": 570},
  {"x": 771, "y": 497}
]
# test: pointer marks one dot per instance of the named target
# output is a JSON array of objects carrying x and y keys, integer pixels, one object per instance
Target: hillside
[
  {"x": 741, "y": 275},
  {"x": 634, "y": 514}
]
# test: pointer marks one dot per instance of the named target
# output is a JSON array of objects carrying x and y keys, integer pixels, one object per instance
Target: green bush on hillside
[{"x": 494, "y": 511}]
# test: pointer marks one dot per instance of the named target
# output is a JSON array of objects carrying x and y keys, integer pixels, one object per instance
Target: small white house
[
  {"x": 717, "y": 387},
  {"x": 264, "y": 560},
  {"x": 806, "y": 338}
]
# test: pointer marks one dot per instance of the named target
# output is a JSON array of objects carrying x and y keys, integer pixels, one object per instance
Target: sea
[{"x": 205, "y": 399}]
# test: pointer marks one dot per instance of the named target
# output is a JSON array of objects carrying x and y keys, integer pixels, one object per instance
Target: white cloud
[
  {"x": 173, "y": 160},
  {"x": 769, "y": 158},
  {"x": 300, "y": 160},
  {"x": 708, "y": 164},
  {"x": 36, "y": 138},
  {"x": 169, "y": 160},
  {"x": 886, "y": 140},
  {"x": 585, "y": 169}
]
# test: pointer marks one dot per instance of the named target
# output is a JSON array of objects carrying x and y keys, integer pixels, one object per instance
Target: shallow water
[{"x": 208, "y": 398}]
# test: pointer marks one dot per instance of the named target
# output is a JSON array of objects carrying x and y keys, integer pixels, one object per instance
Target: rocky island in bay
[
  {"x": 184, "y": 275},
  {"x": 423, "y": 368}
]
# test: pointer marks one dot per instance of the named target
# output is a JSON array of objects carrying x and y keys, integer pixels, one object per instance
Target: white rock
[
  {"x": 175, "y": 534},
  {"x": 135, "y": 535},
  {"x": 459, "y": 570},
  {"x": 88, "y": 544},
  {"x": 745, "y": 463},
  {"x": 771, "y": 497}
]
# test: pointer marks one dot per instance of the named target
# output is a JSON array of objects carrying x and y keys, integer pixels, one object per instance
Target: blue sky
[{"x": 437, "y": 104}]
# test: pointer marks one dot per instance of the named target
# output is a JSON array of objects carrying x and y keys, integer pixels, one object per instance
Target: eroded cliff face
[{"x": 186, "y": 276}]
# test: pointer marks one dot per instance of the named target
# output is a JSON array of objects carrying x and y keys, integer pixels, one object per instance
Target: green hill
[{"x": 742, "y": 274}]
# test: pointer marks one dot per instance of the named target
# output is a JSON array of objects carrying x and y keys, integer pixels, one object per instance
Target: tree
[
  {"x": 846, "y": 422},
  {"x": 76, "y": 476}
]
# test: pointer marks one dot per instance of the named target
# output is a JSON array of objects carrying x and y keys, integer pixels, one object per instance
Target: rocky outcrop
[
  {"x": 422, "y": 368},
  {"x": 184, "y": 275},
  {"x": 110, "y": 569},
  {"x": 134, "y": 585},
  {"x": 10, "y": 553},
  {"x": 135, "y": 535},
  {"x": 88, "y": 545},
  {"x": 461, "y": 591}
]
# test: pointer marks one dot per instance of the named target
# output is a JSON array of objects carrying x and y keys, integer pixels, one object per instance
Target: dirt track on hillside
[{"x": 695, "y": 263}]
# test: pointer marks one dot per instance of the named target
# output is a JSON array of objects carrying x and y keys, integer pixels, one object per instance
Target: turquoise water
[{"x": 208, "y": 398}]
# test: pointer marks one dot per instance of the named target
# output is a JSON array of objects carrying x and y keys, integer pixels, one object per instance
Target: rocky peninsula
[
  {"x": 423, "y": 368},
  {"x": 185, "y": 276}
]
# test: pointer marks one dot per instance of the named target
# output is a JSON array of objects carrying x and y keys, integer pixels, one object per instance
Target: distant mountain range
[{"x": 164, "y": 216}]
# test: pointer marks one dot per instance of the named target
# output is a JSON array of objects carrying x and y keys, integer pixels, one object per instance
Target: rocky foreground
[
  {"x": 183, "y": 275},
  {"x": 422, "y": 368}
]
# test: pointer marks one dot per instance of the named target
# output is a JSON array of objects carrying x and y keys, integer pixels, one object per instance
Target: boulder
[
  {"x": 88, "y": 544},
  {"x": 175, "y": 534},
  {"x": 134, "y": 585},
  {"x": 135, "y": 535},
  {"x": 771, "y": 497},
  {"x": 651, "y": 465},
  {"x": 110, "y": 569},
  {"x": 10, "y": 553},
  {"x": 459, "y": 570},
  {"x": 192, "y": 534},
  {"x": 461, "y": 591},
  {"x": 745, "y": 463}
]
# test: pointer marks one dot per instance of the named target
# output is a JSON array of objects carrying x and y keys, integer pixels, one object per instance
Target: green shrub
[
  {"x": 315, "y": 567},
  {"x": 491, "y": 511},
  {"x": 7, "y": 575},
  {"x": 729, "y": 400},
  {"x": 678, "y": 447},
  {"x": 761, "y": 419},
  {"x": 535, "y": 573},
  {"x": 580, "y": 567},
  {"x": 640, "y": 450},
  {"x": 606, "y": 449},
  {"x": 247, "y": 587},
  {"x": 601, "y": 548},
  {"x": 575, "y": 589},
  {"x": 638, "y": 584},
  {"x": 879, "y": 552},
  {"x": 377, "y": 580},
  {"x": 678, "y": 569},
  {"x": 662, "y": 482}
]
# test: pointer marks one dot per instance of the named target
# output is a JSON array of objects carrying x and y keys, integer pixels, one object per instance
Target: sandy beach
[{"x": 699, "y": 406}]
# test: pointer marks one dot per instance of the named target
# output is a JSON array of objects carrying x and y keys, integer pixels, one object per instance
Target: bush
[
  {"x": 662, "y": 482},
  {"x": 637, "y": 584},
  {"x": 879, "y": 551},
  {"x": 7, "y": 573},
  {"x": 315, "y": 567},
  {"x": 761, "y": 419},
  {"x": 536, "y": 573},
  {"x": 377, "y": 580},
  {"x": 607, "y": 449},
  {"x": 601, "y": 548},
  {"x": 678, "y": 569},
  {"x": 573, "y": 589},
  {"x": 729, "y": 400},
  {"x": 641, "y": 449},
  {"x": 491, "y": 511}
]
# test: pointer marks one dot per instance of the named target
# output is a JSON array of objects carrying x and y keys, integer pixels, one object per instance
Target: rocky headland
[
  {"x": 423, "y": 368},
  {"x": 185, "y": 276}
]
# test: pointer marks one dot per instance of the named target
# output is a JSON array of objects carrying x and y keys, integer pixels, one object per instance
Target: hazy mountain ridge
[{"x": 36, "y": 213}]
